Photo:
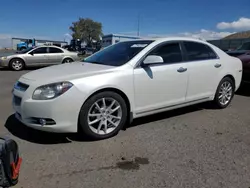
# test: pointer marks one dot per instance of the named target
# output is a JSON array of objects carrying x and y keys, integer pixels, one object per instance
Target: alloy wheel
[
  {"x": 17, "y": 65},
  {"x": 68, "y": 61},
  {"x": 104, "y": 116},
  {"x": 225, "y": 93}
]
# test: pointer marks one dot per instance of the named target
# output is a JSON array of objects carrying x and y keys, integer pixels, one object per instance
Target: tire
[
  {"x": 17, "y": 64},
  {"x": 86, "y": 121},
  {"x": 67, "y": 60},
  {"x": 221, "y": 93}
]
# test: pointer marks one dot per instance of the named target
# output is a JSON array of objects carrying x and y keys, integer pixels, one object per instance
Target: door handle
[
  {"x": 217, "y": 65},
  {"x": 181, "y": 69}
]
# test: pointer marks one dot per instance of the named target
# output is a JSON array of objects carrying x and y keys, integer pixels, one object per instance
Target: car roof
[
  {"x": 162, "y": 39},
  {"x": 48, "y": 46}
]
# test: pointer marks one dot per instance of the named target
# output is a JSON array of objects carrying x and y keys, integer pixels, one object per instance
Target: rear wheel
[
  {"x": 67, "y": 60},
  {"x": 16, "y": 64},
  {"x": 103, "y": 115},
  {"x": 224, "y": 93}
]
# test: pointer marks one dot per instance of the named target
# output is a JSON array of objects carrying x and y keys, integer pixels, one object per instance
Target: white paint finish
[
  {"x": 203, "y": 78},
  {"x": 157, "y": 87},
  {"x": 153, "y": 59}
]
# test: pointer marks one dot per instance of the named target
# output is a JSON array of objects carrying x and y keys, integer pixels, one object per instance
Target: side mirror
[
  {"x": 31, "y": 53},
  {"x": 153, "y": 59}
]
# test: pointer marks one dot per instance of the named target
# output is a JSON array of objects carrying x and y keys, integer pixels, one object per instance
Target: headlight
[
  {"x": 51, "y": 91},
  {"x": 3, "y": 58}
]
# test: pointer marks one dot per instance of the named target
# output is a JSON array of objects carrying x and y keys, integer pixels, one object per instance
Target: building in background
[
  {"x": 115, "y": 38},
  {"x": 15, "y": 41}
]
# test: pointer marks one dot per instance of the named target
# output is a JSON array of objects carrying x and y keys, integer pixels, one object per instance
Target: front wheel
[
  {"x": 16, "y": 64},
  {"x": 224, "y": 93},
  {"x": 67, "y": 60},
  {"x": 103, "y": 115}
]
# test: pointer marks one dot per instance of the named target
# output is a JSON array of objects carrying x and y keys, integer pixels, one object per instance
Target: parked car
[
  {"x": 246, "y": 67},
  {"x": 243, "y": 49},
  {"x": 39, "y": 56},
  {"x": 125, "y": 81}
]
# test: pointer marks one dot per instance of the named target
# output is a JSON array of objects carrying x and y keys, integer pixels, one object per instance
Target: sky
[{"x": 51, "y": 19}]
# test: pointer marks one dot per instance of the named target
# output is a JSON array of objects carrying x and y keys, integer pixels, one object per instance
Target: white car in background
[{"x": 125, "y": 81}]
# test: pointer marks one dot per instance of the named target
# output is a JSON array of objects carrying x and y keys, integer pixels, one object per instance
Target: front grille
[
  {"x": 21, "y": 86},
  {"x": 17, "y": 100}
]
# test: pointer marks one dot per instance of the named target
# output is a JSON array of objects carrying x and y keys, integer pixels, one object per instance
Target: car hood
[{"x": 66, "y": 72}]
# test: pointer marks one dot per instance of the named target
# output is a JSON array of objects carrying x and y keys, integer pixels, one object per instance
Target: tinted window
[
  {"x": 171, "y": 53},
  {"x": 245, "y": 46},
  {"x": 55, "y": 50},
  {"x": 197, "y": 51},
  {"x": 40, "y": 51},
  {"x": 119, "y": 53}
]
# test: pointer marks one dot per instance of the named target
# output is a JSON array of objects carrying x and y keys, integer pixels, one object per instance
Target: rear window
[{"x": 198, "y": 51}]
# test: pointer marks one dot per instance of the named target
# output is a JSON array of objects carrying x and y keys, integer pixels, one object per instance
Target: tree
[{"x": 86, "y": 30}]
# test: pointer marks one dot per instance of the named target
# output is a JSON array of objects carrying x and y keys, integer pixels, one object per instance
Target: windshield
[
  {"x": 118, "y": 54},
  {"x": 245, "y": 46}
]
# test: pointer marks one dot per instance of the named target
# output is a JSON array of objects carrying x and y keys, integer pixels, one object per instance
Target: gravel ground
[{"x": 191, "y": 147}]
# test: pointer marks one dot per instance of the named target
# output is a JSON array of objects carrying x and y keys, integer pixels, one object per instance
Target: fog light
[{"x": 42, "y": 122}]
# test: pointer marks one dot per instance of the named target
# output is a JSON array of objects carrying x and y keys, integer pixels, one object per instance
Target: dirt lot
[{"x": 192, "y": 147}]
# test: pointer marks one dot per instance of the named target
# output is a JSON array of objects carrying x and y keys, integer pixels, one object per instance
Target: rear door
[
  {"x": 37, "y": 57},
  {"x": 55, "y": 55},
  {"x": 204, "y": 68}
]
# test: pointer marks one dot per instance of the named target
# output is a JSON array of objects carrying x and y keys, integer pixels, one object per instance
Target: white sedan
[{"x": 125, "y": 81}]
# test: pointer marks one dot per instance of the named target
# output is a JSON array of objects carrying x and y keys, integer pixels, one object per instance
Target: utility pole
[{"x": 138, "y": 29}]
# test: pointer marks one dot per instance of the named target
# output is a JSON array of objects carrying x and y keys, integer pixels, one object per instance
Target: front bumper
[
  {"x": 63, "y": 110},
  {"x": 4, "y": 63}
]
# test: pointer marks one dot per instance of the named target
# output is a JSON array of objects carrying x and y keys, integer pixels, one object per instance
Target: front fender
[
  {"x": 121, "y": 81},
  {"x": 16, "y": 58}
]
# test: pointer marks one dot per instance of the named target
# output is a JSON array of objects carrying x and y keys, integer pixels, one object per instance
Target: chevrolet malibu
[
  {"x": 131, "y": 79},
  {"x": 39, "y": 56}
]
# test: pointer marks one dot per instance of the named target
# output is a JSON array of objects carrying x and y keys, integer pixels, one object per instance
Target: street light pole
[{"x": 138, "y": 29}]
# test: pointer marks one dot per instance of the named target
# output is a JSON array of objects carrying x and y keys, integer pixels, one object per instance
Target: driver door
[
  {"x": 37, "y": 57},
  {"x": 159, "y": 86}
]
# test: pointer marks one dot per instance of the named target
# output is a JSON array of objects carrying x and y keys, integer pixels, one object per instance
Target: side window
[
  {"x": 42, "y": 50},
  {"x": 55, "y": 50},
  {"x": 171, "y": 53},
  {"x": 197, "y": 51}
]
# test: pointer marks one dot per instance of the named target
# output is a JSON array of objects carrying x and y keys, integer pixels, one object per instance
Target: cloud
[
  {"x": 241, "y": 24},
  {"x": 202, "y": 34},
  {"x": 207, "y": 34},
  {"x": 67, "y": 35}
]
